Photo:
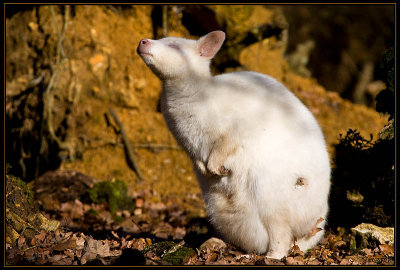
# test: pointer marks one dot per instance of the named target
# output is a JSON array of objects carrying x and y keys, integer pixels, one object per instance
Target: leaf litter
[{"x": 164, "y": 233}]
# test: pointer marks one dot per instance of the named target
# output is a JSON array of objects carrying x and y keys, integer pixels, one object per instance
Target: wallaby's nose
[
  {"x": 143, "y": 47},
  {"x": 143, "y": 42}
]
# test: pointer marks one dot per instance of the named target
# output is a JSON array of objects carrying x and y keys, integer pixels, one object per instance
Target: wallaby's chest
[{"x": 189, "y": 124}]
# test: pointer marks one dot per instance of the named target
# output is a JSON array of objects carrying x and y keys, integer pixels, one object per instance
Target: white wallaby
[{"x": 259, "y": 154}]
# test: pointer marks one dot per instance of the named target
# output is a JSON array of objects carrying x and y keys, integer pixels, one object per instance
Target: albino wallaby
[{"x": 258, "y": 153}]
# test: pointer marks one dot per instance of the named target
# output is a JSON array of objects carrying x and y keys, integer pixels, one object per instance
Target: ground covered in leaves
[{"x": 94, "y": 231}]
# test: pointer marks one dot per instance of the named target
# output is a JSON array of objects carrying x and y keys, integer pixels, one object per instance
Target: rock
[
  {"x": 355, "y": 197},
  {"x": 11, "y": 235},
  {"x": 387, "y": 132},
  {"x": 46, "y": 224},
  {"x": 22, "y": 214},
  {"x": 369, "y": 235}
]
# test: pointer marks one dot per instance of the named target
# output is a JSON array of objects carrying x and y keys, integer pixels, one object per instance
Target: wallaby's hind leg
[{"x": 280, "y": 239}]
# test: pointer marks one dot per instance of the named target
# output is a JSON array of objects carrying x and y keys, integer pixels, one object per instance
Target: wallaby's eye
[{"x": 173, "y": 46}]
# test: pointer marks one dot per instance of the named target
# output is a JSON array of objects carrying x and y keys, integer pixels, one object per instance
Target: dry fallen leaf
[
  {"x": 340, "y": 244},
  {"x": 211, "y": 258},
  {"x": 295, "y": 250},
  {"x": 213, "y": 244},
  {"x": 298, "y": 260},
  {"x": 368, "y": 251},
  {"x": 57, "y": 259},
  {"x": 386, "y": 249},
  {"x": 75, "y": 209},
  {"x": 139, "y": 202},
  {"x": 139, "y": 244},
  {"x": 269, "y": 261},
  {"x": 314, "y": 262},
  {"x": 179, "y": 233},
  {"x": 315, "y": 230},
  {"x": 21, "y": 241},
  {"x": 70, "y": 243},
  {"x": 93, "y": 249},
  {"x": 41, "y": 235}
]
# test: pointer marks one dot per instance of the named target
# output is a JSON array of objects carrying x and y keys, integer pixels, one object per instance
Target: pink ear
[{"x": 210, "y": 44}]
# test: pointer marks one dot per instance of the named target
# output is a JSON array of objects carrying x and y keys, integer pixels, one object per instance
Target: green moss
[
  {"x": 114, "y": 193},
  {"x": 118, "y": 218},
  {"x": 163, "y": 249},
  {"x": 92, "y": 212},
  {"x": 179, "y": 256},
  {"x": 353, "y": 245},
  {"x": 21, "y": 184}
]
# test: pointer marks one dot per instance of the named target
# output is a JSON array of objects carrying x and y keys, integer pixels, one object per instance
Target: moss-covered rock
[
  {"x": 179, "y": 256},
  {"x": 171, "y": 252},
  {"x": 369, "y": 235},
  {"x": 22, "y": 214}
]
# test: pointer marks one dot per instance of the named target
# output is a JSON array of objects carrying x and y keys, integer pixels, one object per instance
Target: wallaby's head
[{"x": 173, "y": 57}]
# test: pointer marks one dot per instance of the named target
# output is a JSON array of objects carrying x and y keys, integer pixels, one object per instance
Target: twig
[
  {"x": 174, "y": 248},
  {"x": 158, "y": 146},
  {"x": 365, "y": 76},
  {"x": 145, "y": 146},
  {"x": 29, "y": 226},
  {"x": 137, "y": 224},
  {"x": 28, "y": 248},
  {"x": 128, "y": 147}
]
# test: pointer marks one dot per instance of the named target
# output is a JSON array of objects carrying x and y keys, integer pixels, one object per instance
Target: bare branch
[{"x": 128, "y": 147}]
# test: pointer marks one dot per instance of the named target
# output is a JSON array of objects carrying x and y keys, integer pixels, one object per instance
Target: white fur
[{"x": 276, "y": 140}]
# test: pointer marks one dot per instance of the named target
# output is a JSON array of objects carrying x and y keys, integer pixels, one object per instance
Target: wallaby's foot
[
  {"x": 280, "y": 240},
  {"x": 276, "y": 255}
]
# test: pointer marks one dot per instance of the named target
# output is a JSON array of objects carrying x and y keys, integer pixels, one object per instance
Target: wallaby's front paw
[
  {"x": 223, "y": 171},
  {"x": 218, "y": 170}
]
